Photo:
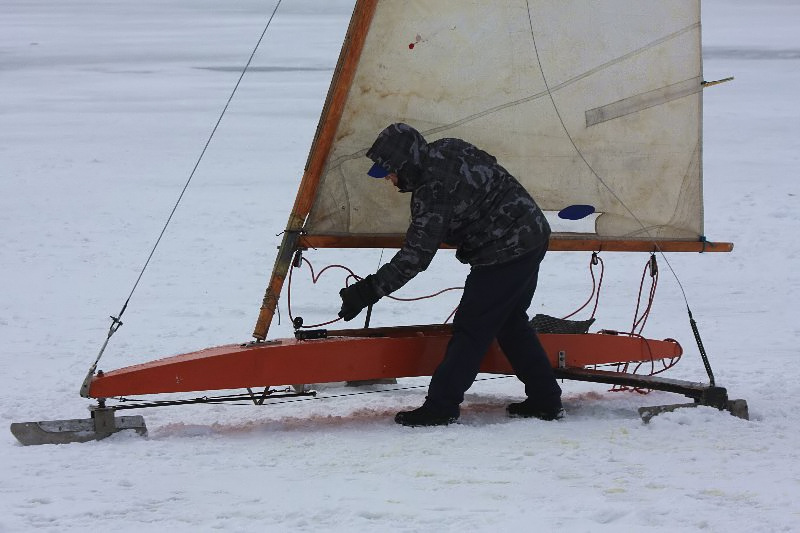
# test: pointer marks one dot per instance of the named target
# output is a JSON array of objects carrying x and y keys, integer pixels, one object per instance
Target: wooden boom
[{"x": 557, "y": 244}]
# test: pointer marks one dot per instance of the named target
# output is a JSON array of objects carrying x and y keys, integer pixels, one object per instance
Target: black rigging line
[{"x": 116, "y": 321}]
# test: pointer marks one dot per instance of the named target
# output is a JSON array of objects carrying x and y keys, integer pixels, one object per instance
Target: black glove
[{"x": 356, "y": 297}]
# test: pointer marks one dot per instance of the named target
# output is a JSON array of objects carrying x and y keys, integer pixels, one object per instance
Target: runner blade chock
[{"x": 102, "y": 424}]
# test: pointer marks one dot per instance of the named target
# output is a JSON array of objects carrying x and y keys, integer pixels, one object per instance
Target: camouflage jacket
[{"x": 461, "y": 197}]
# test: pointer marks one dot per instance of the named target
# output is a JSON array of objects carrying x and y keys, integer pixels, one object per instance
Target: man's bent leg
[
  {"x": 491, "y": 294},
  {"x": 524, "y": 351}
]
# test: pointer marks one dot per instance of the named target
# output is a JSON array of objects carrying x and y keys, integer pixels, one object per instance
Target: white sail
[{"x": 585, "y": 102}]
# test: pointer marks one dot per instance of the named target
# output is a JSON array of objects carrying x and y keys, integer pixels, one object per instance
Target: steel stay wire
[
  {"x": 116, "y": 321},
  {"x": 304, "y": 397}
]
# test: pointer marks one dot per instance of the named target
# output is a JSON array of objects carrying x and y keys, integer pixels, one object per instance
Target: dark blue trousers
[{"x": 494, "y": 305}]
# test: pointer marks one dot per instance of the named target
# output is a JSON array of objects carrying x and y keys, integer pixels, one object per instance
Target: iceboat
[{"x": 593, "y": 112}]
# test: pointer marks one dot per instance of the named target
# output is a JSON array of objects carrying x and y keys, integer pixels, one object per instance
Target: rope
[
  {"x": 639, "y": 322},
  {"x": 116, "y": 320},
  {"x": 614, "y": 194},
  {"x": 350, "y": 275},
  {"x": 666, "y": 364},
  {"x": 596, "y": 259}
]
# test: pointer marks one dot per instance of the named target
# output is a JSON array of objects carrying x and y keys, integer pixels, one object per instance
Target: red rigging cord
[
  {"x": 636, "y": 367},
  {"x": 350, "y": 275},
  {"x": 596, "y": 286},
  {"x": 314, "y": 279},
  {"x": 451, "y": 315},
  {"x": 597, "y": 283},
  {"x": 640, "y": 321}
]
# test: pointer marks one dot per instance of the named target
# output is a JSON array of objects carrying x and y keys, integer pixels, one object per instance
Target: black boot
[
  {"x": 531, "y": 409},
  {"x": 425, "y": 416}
]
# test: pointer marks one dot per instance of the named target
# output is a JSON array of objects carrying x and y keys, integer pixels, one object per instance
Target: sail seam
[
  {"x": 548, "y": 91},
  {"x": 642, "y": 101}
]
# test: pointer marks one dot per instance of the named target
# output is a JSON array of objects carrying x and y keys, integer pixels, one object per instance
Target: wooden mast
[{"x": 320, "y": 148}]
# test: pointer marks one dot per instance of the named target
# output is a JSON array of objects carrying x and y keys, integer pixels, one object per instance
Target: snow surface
[{"x": 105, "y": 107}]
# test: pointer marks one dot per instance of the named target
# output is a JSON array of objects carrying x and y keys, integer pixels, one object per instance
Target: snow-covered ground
[{"x": 104, "y": 109}]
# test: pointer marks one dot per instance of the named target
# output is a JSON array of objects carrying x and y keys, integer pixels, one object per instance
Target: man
[{"x": 462, "y": 197}]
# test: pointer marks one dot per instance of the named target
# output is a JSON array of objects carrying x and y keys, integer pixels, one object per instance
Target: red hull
[{"x": 397, "y": 352}]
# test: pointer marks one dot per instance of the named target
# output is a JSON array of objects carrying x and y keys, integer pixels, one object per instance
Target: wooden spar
[
  {"x": 320, "y": 148},
  {"x": 557, "y": 244},
  {"x": 354, "y": 355}
]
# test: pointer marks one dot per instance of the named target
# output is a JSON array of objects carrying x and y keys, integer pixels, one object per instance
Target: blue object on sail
[{"x": 576, "y": 212}]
